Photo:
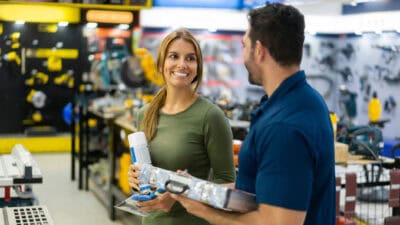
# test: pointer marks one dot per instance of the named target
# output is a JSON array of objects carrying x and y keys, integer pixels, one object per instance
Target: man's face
[{"x": 249, "y": 59}]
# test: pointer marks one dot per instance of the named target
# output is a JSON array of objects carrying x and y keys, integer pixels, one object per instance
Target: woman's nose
[{"x": 182, "y": 63}]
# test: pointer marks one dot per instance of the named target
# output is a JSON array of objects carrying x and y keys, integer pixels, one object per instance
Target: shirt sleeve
[
  {"x": 218, "y": 139},
  {"x": 285, "y": 171}
]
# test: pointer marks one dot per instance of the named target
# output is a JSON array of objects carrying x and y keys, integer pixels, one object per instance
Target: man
[{"x": 287, "y": 158}]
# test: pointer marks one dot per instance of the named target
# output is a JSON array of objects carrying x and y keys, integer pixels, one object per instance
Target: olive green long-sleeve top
[{"x": 197, "y": 139}]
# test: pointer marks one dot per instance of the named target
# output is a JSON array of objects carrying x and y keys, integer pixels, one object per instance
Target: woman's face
[{"x": 180, "y": 64}]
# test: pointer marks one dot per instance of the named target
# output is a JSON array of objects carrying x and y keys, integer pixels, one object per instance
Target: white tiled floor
[{"x": 66, "y": 204}]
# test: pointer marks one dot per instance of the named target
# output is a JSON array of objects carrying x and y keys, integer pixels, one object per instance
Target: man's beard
[{"x": 250, "y": 77}]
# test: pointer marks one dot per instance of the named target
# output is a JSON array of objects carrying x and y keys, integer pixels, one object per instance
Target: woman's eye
[
  {"x": 191, "y": 58},
  {"x": 173, "y": 56}
]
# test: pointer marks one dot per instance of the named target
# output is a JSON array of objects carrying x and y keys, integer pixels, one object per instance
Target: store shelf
[
  {"x": 99, "y": 192},
  {"x": 57, "y": 143}
]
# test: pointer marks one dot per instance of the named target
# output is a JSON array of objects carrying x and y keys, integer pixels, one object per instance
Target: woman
[{"x": 184, "y": 130}]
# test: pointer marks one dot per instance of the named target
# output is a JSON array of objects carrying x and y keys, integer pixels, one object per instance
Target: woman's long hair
[{"x": 150, "y": 119}]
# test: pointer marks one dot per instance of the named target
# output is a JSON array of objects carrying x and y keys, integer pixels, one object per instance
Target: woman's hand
[
  {"x": 133, "y": 176},
  {"x": 163, "y": 202}
]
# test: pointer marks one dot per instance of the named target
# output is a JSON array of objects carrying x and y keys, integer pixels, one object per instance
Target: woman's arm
[{"x": 219, "y": 144}]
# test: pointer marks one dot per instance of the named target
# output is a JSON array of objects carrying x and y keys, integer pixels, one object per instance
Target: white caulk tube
[
  {"x": 139, "y": 149},
  {"x": 140, "y": 154}
]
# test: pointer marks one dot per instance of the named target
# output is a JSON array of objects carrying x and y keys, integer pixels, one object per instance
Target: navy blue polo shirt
[{"x": 287, "y": 158}]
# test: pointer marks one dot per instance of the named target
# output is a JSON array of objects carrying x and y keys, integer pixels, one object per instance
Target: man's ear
[{"x": 260, "y": 50}]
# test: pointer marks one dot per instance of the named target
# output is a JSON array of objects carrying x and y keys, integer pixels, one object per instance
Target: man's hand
[
  {"x": 264, "y": 215},
  {"x": 194, "y": 207},
  {"x": 163, "y": 202}
]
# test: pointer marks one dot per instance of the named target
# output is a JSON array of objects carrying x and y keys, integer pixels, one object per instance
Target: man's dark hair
[{"x": 280, "y": 28}]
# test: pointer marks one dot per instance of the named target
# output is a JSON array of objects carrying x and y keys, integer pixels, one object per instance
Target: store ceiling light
[
  {"x": 63, "y": 24},
  {"x": 356, "y": 2},
  {"x": 358, "y": 32},
  {"x": 311, "y": 2},
  {"x": 91, "y": 25},
  {"x": 20, "y": 22},
  {"x": 123, "y": 26},
  {"x": 364, "y": 1}
]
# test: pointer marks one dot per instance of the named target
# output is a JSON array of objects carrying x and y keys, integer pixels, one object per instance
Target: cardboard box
[{"x": 341, "y": 152}]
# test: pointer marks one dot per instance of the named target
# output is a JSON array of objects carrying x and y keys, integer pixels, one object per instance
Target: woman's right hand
[{"x": 133, "y": 176}]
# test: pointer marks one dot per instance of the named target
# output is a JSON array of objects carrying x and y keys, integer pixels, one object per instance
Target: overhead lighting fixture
[
  {"x": 358, "y": 32},
  {"x": 355, "y": 2},
  {"x": 91, "y": 25},
  {"x": 302, "y": 2},
  {"x": 123, "y": 26},
  {"x": 20, "y": 22},
  {"x": 63, "y": 24}
]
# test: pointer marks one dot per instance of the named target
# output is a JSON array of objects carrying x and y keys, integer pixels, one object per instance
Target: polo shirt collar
[{"x": 282, "y": 90}]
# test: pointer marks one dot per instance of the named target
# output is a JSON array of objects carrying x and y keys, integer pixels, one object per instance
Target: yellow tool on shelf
[
  {"x": 149, "y": 66},
  {"x": 66, "y": 79},
  {"x": 54, "y": 56},
  {"x": 334, "y": 121},
  {"x": 124, "y": 163},
  {"x": 15, "y": 45},
  {"x": 54, "y": 63},
  {"x": 15, "y": 40},
  {"x": 37, "y": 116},
  {"x": 63, "y": 53},
  {"x": 48, "y": 28},
  {"x": 34, "y": 118},
  {"x": 374, "y": 108},
  {"x": 12, "y": 57},
  {"x": 37, "y": 78},
  {"x": 36, "y": 98}
]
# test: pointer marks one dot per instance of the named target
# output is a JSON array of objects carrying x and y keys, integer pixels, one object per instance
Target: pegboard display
[
  {"x": 40, "y": 65},
  {"x": 347, "y": 69}
]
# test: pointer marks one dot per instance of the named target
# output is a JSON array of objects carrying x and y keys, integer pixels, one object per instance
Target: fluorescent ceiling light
[
  {"x": 91, "y": 25},
  {"x": 123, "y": 26},
  {"x": 63, "y": 24}
]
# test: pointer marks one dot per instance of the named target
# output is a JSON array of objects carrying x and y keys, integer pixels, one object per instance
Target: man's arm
[{"x": 265, "y": 215}]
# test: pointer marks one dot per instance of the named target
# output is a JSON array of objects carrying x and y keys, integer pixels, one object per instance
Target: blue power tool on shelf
[{"x": 362, "y": 140}]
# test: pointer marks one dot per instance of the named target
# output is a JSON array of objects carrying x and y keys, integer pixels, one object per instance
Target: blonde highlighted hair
[{"x": 150, "y": 119}]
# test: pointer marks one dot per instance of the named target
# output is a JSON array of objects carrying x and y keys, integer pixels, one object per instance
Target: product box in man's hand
[{"x": 215, "y": 195}]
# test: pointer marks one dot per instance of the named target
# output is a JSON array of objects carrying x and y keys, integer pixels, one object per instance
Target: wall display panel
[
  {"x": 39, "y": 66},
  {"x": 348, "y": 69}
]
